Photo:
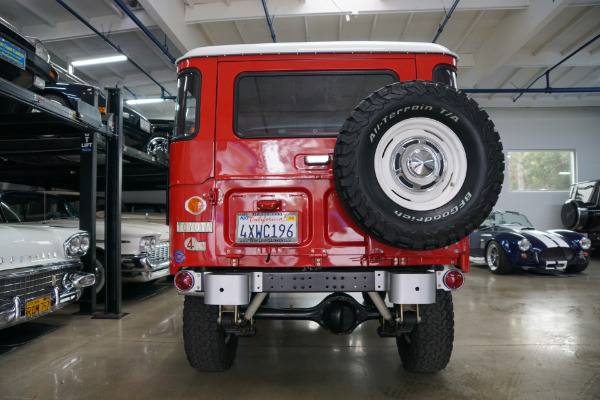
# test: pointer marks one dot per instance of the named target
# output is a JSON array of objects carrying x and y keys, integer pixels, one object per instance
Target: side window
[
  {"x": 445, "y": 74},
  {"x": 188, "y": 105},
  {"x": 300, "y": 104},
  {"x": 11, "y": 215}
]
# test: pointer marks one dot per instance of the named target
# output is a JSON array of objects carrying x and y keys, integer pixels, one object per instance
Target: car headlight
[
  {"x": 585, "y": 243},
  {"x": 524, "y": 244},
  {"x": 147, "y": 244},
  {"x": 41, "y": 51},
  {"x": 77, "y": 245}
]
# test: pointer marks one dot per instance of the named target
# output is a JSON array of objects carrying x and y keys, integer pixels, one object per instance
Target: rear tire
[
  {"x": 427, "y": 348},
  {"x": 208, "y": 347},
  {"x": 56, "y": 98}
]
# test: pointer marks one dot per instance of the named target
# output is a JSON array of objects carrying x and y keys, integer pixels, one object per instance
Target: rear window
[
  {"x": 188, "y": 104},
  {"x": 300, "y": 104}
]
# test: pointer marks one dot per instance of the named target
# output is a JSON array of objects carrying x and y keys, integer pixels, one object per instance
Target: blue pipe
[
  {"x": 111, "y": 44},
  {"x": 264, "y": 3},
  {"x": 145, "y": 30},
  {"x": 441, "y": 28},
  {"x": 547, "y": 73},
  {"x": 544, "y": 90},
  {"x": 133, "y": 94}
]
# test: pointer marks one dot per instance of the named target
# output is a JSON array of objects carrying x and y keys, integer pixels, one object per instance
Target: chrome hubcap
[
  {"x": 417, "y": 164},
  {"x": 420, "y": 164}
]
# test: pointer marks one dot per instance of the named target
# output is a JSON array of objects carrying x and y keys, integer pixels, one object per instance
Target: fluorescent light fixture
[
  {"x": 564, "y": 173},
  {"x": 101, "y": 60},
  {"x": 144, "y": 101}
]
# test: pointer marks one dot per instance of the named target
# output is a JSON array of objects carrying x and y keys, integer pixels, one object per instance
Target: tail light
[
  {"x": 184, "y": 281},
  {"x": 454, "y": 279}
]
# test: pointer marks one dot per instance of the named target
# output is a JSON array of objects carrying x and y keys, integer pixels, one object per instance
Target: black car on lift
[
  {"x": 24, "y": 61},
  {"x": 137, "y": 130}
]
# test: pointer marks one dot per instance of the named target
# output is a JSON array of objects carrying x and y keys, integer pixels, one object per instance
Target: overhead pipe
[
  {"x": 139, "y": 23},
  {"x": 547, "y": 73},
  {"x": 111, "y": 44},
  {"x": 548, "y": 89},
  {"x": 269, "y": 22},
  {"x": 441, "y": 28}
]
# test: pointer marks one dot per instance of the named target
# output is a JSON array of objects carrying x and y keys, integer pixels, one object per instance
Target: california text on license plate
[
  {"x": 277, "y": 227},
  {"x": 38, "y": 306}
]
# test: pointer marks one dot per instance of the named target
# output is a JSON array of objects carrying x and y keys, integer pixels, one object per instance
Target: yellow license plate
[{"x": 38, "y": 306}]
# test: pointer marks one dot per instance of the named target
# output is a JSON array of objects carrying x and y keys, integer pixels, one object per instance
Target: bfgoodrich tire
[
  {"x": 427, "y": 348},
  {"x": 418, "y": 165},
  {"x": 207, "y": 346}
]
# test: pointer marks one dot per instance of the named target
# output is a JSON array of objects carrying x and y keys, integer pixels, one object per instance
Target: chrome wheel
[
  {"x": 492, "y": 256},
  {"x": 158, "y": 143}
]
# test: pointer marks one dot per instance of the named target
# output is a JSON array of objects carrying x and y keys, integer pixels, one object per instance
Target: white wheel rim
[{"x": 420, "y": 164}]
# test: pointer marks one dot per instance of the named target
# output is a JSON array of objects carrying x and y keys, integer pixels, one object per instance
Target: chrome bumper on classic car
[
  {"x": 146, "y": 267},
  {"x": 29, "y": 293}
]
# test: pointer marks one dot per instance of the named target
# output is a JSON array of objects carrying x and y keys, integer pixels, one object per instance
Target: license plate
[
  {"x": 38, "y": 306},
  {"x": 278, "y": 227}
]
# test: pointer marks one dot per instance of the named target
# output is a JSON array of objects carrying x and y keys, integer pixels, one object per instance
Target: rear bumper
[
  {"x": 141, "y": 269},
  {"x": 234, "y": 288}
]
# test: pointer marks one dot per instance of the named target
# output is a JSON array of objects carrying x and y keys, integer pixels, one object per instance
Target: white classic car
[
  {"x": 144, "y": 245},
  {"x": 40, "y": 270}
]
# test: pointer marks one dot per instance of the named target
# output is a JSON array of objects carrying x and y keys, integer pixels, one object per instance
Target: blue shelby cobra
[{"x": 507, "y": 239}]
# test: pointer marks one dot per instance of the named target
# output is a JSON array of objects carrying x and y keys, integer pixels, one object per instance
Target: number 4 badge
[{"x": 192, "y": 244}]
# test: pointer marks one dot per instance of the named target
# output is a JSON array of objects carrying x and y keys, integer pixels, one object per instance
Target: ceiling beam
[
  {"x": 38, "y": 13},
  {"x": 154, "y": 49},
  {"x": 573, "y": 22},
  {"x": 168, "y": 15},
  {"x": 583, "y": 39},
  {"x": 252, "y": 9},
  {"x": 114, "y": 8},
  {"x": 407, "y": 26},
  {"x": 470, "y": 28},
  {"x": 512, "y": 33},
  {"x": 238, "y": 28},
  {"x": 373, "y": 26},
  {"x": 75, "y": 29}
]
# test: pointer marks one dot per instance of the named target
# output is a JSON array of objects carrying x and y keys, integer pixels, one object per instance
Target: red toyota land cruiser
[{"x": 330, "y": 167}]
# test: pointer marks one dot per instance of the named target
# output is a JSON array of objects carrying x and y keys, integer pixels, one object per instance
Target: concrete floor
[{"x": 522, "y": 336}]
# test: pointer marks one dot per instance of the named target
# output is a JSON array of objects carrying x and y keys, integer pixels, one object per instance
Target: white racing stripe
[{"x": 550, "y": 240}]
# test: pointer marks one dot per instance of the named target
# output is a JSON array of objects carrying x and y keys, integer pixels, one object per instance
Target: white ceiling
[{"x": 503, "y": 44}]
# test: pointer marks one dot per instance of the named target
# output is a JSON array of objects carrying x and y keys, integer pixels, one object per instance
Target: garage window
[
  {"x": 541, "y": 170},
  {"x": 301, "y": 104}
]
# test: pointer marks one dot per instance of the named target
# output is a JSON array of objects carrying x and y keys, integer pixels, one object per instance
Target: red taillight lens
[
  {"x": 454, "y": 279},
  {"x": 184, "y": 281}
]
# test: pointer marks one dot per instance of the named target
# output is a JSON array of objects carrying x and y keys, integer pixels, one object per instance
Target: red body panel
[{"x": 231, "y": 175}]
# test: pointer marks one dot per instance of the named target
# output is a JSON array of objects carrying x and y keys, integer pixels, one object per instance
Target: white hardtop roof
[{"x": 317, "y": 47}]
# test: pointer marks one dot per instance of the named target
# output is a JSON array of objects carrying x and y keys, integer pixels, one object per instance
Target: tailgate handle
[
  {"x": 269, "y": 205},
  {"x": 317, "y": 160}
]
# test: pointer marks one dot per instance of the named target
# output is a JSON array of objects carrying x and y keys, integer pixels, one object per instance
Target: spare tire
[
  {"x": 418, "y": 165},
  {"x": 574, "y": 214}
]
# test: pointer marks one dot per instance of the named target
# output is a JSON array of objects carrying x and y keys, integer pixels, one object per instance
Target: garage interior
[{"x": 533, "y": 65}]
